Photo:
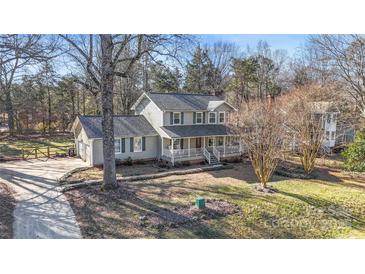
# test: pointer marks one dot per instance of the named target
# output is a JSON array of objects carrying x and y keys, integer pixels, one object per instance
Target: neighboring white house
[
  {"x": 170, "y": 126},
  {"x": 328, "y": 114}
]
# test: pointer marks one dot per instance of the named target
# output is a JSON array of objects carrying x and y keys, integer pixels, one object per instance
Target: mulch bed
[
  {"x": 7, "y": 206},
  {"x": 186, "y": 215},
  {"x": 292, "y": 170}
]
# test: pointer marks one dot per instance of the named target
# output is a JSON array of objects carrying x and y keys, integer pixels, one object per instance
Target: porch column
[
  {"x": 189, "y": 147},
  {"x": 161, "y": 147},
  {"x": 203, "y": 143},
  {"x": 172, "y": 151},
  {"x": 224, "y": 145}
]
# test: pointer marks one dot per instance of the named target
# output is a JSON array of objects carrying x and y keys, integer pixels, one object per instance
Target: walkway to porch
[{"x": 196, "y": 148}]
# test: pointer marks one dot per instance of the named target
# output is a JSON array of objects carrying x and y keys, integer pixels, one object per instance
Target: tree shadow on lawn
[
  {"x": 118, "y": 213},
  {"x": 331, "y": 208}
]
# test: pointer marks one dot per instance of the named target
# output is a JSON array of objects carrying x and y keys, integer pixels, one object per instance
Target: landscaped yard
[
  {"x": 11, "y": 147},
  {"x": 7, "y": 205},
  {"x": 126, "y": 171},
  {"x": 330, "y": 206}
]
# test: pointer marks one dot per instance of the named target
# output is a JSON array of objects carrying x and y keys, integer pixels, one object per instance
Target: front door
[
  {"x": 210, "y": 143},
  {"x": 198, "y": 142}
]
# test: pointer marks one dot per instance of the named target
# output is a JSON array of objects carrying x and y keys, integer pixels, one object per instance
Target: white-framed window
[
  {"x": 328, "y": 118},
  {"x": 333, "y": 135},
  {"x": 220, "y": 141},
  {"x": 117, "y": 146},
  {"x": 176, "y": 118},
  {"x": 199, "y": 117},
  {"x": 176, "y": 143},
  {"x": 212, "y": 117},
  {"x": 334, "y": 118},
  {"x": 327, "y": 135},
  {"x": 222, "y": 117},
  {"x": 137, "y": 144}
]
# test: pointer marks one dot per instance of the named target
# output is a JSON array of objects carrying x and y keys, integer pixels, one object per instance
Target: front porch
[{"x": 200, "y": 148}]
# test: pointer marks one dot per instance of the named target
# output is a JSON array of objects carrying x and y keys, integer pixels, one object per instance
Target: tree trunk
[
  {"x": 49, "y": 121},
  {"x": 9, "y": 111},
  {"x": 107, "y": 83}
]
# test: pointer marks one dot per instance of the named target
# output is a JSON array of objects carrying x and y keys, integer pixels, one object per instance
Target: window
[
  {"x": 176, "y": 143},
  {"x": 327, "y": 135},
  {"x": 199, "y": 117},
  {"x": 177, "y": 118},
  {"x": 212, "y": 117},
  {"x": 334, "y": 118},
  {"x": 137, "y": 144},
  {"x": 221, "y": 117},
  {"x": 220, "y": 141},
  {"x": 117, "y": 146},
  {"x": 328, "y": 118},
  {"x": 332, "y": 135},
  {"x": 198, "y": 142}
]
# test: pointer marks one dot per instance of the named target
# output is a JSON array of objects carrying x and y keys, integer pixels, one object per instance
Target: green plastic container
[{"x": 200, "y": 203}]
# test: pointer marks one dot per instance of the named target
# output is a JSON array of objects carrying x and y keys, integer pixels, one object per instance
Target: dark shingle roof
[
  {"x": 124, "y": 126},
  {"x": 182, "y": 101},
  {"x": 197, "y": 130}
]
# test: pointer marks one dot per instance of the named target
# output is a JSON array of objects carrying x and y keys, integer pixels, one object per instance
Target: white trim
[
  {"x": 215, "y": 115},
  {"x": 173, "y": 118},
  {"x": 196, "y": 118},
  {"x": 120, "y": 145},
  {"x": 224, "y": 117}
]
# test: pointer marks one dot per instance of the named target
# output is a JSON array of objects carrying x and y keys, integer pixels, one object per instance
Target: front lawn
[
  {"x": 331, "y": 206},
  {"x": 7, "y": 205},
  {"x": 11, "y": 147}
]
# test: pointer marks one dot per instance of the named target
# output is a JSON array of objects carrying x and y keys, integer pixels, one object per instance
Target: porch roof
[{"x": 196, "y": 131}]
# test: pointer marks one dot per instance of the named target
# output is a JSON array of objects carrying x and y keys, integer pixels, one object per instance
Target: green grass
[
  {"x": 332, "y": 206},
  {"x": 13, "y": 147}
]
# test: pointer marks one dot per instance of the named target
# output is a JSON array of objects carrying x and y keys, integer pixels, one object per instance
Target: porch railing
[
  {"x": 217, "y": 154},
  {"x": 183, "y": 153},
  {"x": 207, "y": 155}
]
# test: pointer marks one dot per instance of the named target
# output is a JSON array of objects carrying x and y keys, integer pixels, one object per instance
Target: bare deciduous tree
[
  {"x": 260, "y": 126},
  {"x": 345, "y": 54},
  {"x": 104, "y": 58},
  {"x": 304, "y": 121}
]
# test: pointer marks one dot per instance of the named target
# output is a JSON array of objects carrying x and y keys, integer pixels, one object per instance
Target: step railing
[
  {"x": 217, "y": 154},
  {"x": 206, "y": 154}
]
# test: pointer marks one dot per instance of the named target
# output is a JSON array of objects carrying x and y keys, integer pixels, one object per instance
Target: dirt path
[{"x": 41, "y": 211}]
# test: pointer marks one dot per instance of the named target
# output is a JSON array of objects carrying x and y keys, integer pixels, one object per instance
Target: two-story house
[{"x": 169, "y": 126}]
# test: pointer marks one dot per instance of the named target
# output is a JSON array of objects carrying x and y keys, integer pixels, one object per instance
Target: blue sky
[{"x": 289, "y": 42}]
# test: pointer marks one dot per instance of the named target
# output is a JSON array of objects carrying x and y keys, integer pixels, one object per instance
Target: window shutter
[
  {"x": 203, "y": 117},
  {"x": 131, "y": 144},
  {"x": 143, "y": 143},
  {"x": 194, "y": 117},
  {"x": 123, "y": 145},
  {"x": 182, "y": 118},
  {"x": 171, "y": 118}
]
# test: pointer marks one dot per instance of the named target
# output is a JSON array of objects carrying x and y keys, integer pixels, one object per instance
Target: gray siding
[{"x": 151, "y": 151}]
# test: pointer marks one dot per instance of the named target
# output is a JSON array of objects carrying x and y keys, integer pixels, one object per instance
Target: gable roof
[
  {"x": 184, "y": 101},
  {"x": 124, "y": 126}
]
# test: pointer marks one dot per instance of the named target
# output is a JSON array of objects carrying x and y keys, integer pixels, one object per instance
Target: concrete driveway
[{"x": 41, "y": 211}]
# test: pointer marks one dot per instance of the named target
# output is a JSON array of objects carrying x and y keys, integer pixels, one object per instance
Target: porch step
[{"x": 213, "y": 160}]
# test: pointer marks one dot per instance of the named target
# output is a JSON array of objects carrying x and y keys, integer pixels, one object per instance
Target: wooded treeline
[{"x": 46, "y": 80}]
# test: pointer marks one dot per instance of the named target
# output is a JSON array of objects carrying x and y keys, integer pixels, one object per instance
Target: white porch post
[
  {"x": 172, "y": 151},
  {"x": 224, "y": 145},
  {"x": 161, "y": 147},
  {"x": 203, "y": 143},
  {"x": 189, "y": 147}
]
